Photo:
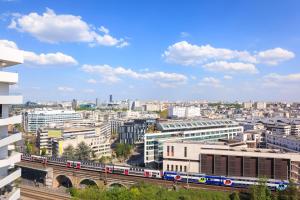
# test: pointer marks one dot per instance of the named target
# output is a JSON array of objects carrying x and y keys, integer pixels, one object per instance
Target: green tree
[
  {"x": 234, "y": 196},
  {"x": 260, "y": 191},
  {"x": 83, "y": 151},
  {"x": 163, "y": 114},
  {"x": 290, "y": 193},
  {"x": 69, "y": 152},
  {"x": 28, "y": 147},
  {"x": 123, "y": 150},
  {"x": 43, "y": 151}
]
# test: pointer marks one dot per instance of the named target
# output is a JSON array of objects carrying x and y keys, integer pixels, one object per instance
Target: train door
[
  {"x": 69, "y": 164},
  {"x": 146, "y": 173},
  {"x": 78, "y": 165},
  {"x": 126, "y": 171}
]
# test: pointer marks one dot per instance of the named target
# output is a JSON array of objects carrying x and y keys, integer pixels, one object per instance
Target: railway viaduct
[{"x": 56, "y": 176}]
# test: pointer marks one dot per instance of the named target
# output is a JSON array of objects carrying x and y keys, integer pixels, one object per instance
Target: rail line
[
  {"x": 101, "y": 175},
  {"x": 38, "y": 194}
]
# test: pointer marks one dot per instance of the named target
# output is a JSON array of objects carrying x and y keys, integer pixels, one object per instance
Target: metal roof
[{"x": 191, "y": 124}]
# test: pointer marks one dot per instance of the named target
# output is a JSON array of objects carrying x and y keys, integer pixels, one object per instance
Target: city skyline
[{"x": 225, "y": 50}]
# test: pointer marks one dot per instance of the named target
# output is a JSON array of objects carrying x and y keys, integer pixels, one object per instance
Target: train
[{"x": 237, "y": 182}]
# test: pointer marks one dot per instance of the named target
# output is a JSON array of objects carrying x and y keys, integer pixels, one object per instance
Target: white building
[
  {"x": 285, "y": 142},
  {"x": 32, "y": 120},
  {"x": 247, "y": 105},
  {"x": 183, "y": 112},
  {"x": 8, "y": 173},
  {"x": 260, "y": 105},
  {"x": 201, "y": 130}
]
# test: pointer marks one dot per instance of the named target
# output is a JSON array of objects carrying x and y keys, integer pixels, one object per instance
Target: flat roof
[{"x": 189, "y": 124}]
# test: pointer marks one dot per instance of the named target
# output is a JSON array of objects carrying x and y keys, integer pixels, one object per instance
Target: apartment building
[
  {"x": 8, "y": 157},
  {"x": 201, "y": 130},
  {"x": 184, "y": 111}
]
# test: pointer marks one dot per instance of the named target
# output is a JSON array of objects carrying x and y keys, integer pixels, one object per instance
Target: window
[
  {"x": 176, "y": 167},
  {"x": 184, "y": 168},
  {"x": 168, "y": 150},
  {"x": 168, "y": 167},
  {"x": 185, "y": 151},
  {"x": 172, "y": 150},
  {"x": 180, "y": 168},
  {"x": 172, "y": 168}
]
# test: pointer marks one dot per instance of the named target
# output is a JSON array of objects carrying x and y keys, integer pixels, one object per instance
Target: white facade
[
  {"x": 8, "y": 173},
  {"x": 201, "y": 130},
  {"x": 36, "y": 119},
  {"x": 184, "y": 112},
  {"x": 287, "y": 143},
  {"x": 260, "y": 105}
]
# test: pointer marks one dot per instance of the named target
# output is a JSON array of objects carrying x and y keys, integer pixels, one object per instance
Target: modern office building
[
  {"x": 223, "y": 160},
  {"x": 74, "y": 104},
  {"x": 8, "y": 157},
  {"x": 110, "y": 98},
  {"x": 35, "y": 119},
  {"x": 201, "y": 130},
  {"x": 133, "y": 132}
]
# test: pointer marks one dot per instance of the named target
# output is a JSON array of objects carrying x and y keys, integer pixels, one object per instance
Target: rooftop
[{"x": 191, "y": 124}]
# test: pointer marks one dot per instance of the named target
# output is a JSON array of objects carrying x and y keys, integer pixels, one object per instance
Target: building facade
[
  {"x": 133, "y": 132},
  {"x": 222, "y": 160},
  {"x": 184, "y": 111},
  {"x": 201, "y": 130},
  {"x": 32, "y": 120},
  {"x": 8, "y": 157}
]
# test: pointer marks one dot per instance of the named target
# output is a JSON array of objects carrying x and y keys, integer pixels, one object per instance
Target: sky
[{"x": 228, "y": 50}]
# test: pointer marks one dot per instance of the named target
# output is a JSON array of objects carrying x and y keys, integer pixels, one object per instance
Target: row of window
[{"x": 176, "y": 168}]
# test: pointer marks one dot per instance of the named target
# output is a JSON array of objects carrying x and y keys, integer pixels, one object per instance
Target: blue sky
[{"x": 165, "y": 50}]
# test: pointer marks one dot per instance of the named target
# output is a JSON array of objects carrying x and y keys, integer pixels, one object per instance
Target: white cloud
[
  {"x": 210, "y": 81},
  {"x": 54, "y": 28},
  {"x": 231, "y": 67},
  {"x": 274, "y": 56},
  {"x": 114, "y": 74},
  {"x": 65, "y": 89},
  {"x": 30, "y": 57},
  {"x": 283, "y": 78},
  {"x": 186, "y": 54},
  {"x": 92, "y": 81},
  {"x": 227, "y": 77}
]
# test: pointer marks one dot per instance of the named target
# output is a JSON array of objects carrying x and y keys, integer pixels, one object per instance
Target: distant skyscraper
[
  {"x": 110, "y": 98},
  {"x": 74, "y": 104},
  {"x": 97, "y": 102}
]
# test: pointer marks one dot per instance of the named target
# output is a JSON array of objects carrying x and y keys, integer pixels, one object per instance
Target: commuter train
[{"x": 238, "y": 182}]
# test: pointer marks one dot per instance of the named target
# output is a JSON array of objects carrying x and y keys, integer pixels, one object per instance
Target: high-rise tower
[{"x": 8, "y": 157}]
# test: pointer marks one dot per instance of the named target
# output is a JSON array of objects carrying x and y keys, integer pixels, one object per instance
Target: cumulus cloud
[
  {"x": 210, "y": 81},
  {"x": 274, "y": 56},
  {"x": 65, "y": 89},
  {"x": 114, "y": 74},
  {"x": 186, "y": 54},
  {"x": 30, "y": 57},
  {"x": 231, "y": 67},
  {"x": 54, "y": 28}
]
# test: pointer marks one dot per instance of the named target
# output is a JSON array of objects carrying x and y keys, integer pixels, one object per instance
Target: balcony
[
  {"x": 11, "y": 160},
  {"x": 11, "y": 120},
  {"x": 15, "y": 194},
  {"x": 10, "y": 177},
  {"x": 8, "y": 77},
  {"x": 9, "y": 57},
  {"x": 10, "y": 139},
  {"x": 10, "y": 99}
]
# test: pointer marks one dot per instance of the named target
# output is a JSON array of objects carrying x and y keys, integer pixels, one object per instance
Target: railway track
[
  {"x": 97, "y": 174},
  {"x": 38, "y": 194}
]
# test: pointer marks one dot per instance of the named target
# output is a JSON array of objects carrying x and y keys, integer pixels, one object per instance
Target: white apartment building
[
  {"x": 32, "y": 120},
  {"x": 8, "y": 173},
  {"x": 247, "y": 105},
  {"x": 184, "y": 112},
  {"x": 260, "y": 105},
  {"x": 201, "y": 130}
]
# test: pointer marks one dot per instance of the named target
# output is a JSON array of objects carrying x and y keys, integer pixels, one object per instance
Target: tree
[
  {"x": 260, "y": 191},
  {"x": 83, "y": 151},
  {"x": 234, "y": 196},
  {"x": 28, "y": 147},
  {"x": 290, "y": 193},
  {"x": 43, "y": 151},
  {"x": 69, "y": 152},
  {"x": 163, "y": 114},
  {"x": 123, "y": 150}
]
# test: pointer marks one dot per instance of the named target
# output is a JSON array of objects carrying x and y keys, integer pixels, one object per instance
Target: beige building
[{"x": 223, "y": 160}]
